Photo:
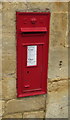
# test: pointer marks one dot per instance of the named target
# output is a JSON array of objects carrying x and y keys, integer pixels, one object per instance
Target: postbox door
[{"x": 32, "y": 63}]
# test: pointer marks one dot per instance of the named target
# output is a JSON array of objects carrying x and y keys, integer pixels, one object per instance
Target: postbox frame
[{"x": 18, "y": 58}]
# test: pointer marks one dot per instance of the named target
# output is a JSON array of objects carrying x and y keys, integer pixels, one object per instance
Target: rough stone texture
[
  {"x": 56, "y": 85},
  {"x": 53, "y": 6},
  {"x": 0, "y": 41},
  {"x": 59, "y": 21},
  {"x": 9, "y": 87},
  {"x": 57, "y": 71},
  {"x": 0, "y": 23},
  {"x": 0, "y": 89},
  {"x": 9, "y": 64},
  {"x": 58, "y": 26},
  {"x": 57, "y": 104},
  {"x": 2, "y": 105},
  {"x": 0, "y": 118},
  {"x": 0, "y": 7},
  {"x": 25, "y": 104},
  {"x": 9, "y": 43},
  {"x": 69, "y": 6},
  {"x": 69, "y": 59},
  {"x": 37, "y": 114},
  {"x": 0, "y": 64},
  {"x": 16, "y": 115},
  {"x": 13, "y": 6}
]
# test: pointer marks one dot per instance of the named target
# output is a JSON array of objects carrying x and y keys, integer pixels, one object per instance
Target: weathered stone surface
[
  {"x": 56, "y": 41},
  {"x": 9, "y": 43},
  {"x": 1, "y": 40},
  {"x": 69, "y": 39},
  {"x": 10, "y": 29},
  {"x": 13, "y": 6},
  {"x": 55, "y": 111},
  {"x": 59, "y": 27},
  {"x": 1, "y": 118},
  {"x": 8, "y": 22},
  {"x": 58, "y": 63},
  {"x": 16, "y": 115},
  {"x": 59, "y": 22},
  {"x": 8, "y": 87},
  {"x": 57, "y": 104},
  {"x": 61, "y": 93},
  {"x": 25, "y": 104},
  {"x": 35, "y": 114},
  {"x": 69, "y": 6},
  {"x": 56, "y": 85},
  {"x": 53, "y": 6},
  {"x": 69, "y": 62},
  {"x": 2, "y": 105},
  {"x": 9, "y": 63},
  {"x": 0, "y": 23},
  {"x": 69, "y": 29},
  {"x": 0, "y": 7},
  {"x": 0, "y": 63},
  {"x": 0, "y": 89}
]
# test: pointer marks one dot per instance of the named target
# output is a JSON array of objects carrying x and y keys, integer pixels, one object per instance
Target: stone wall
[{"x": 49, "y": 106}]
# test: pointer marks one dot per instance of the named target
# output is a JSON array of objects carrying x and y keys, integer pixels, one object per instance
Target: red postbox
[{"x": 32, "y": 33}]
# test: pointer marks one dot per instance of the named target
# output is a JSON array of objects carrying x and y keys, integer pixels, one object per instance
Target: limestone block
[
  {"x": 1, "y": 118},
  {"x": 55, "y": 86},
  {"x": 56, "y": 41},
  {"x": 57, "y": 105},
  {"x": 69, "y": 62},
  {"x": 1, "y": 41},
  {"x": 59, "y": 27},
  {"x": 58, "y": 63},
  {"x": 36, "y": 114},
  {"x": 8, "y": 87},
  {"x": 0, "y": 89},
  {"x": 61, "y": 112},
  {"x": 2, "y": 105},
  {"x": 0, "y": 6},
  {"x": 0, "y": 23},
  {"x": 69, "y": 22},
  {"x": 69, "y": 7},
  {"x": 13, "y": 6},
  {"x": 9, "y": 21},
  {"x": 61, "y": 93},
  {"x": 1, "y": 73},
  {"x": 9, "y": 63},
  {"x": 16, "y": 115},
  {"x": 53, "y": 6},
  {"x": 59, "y": 22},
  {"x": 64, "y": 112},
  {"x": 25, "y": 104},
  {"x": 9, "y": 28},
  {"x": 0, "y": 63},
  {"x": 9, "y": 43},
  {"x": 69, "y": 38}
]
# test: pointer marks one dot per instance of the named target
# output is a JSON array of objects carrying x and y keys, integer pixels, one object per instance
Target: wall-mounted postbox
[{"x": 32, "y": 32}]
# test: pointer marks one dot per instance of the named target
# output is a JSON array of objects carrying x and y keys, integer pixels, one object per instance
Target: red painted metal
[
  {"x": 32, "y": 28},
  {"x": 35, "y": 29}
]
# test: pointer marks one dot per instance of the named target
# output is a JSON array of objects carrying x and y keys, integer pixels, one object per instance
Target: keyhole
[{"x": 27, "y": 71}]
